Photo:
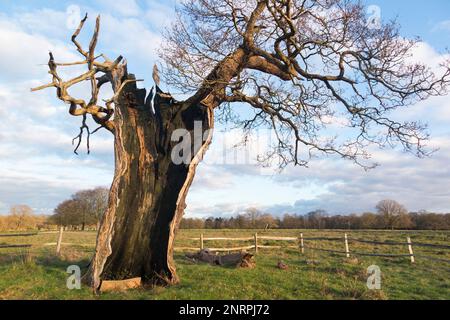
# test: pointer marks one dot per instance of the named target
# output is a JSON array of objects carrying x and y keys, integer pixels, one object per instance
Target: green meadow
[{"x": 38, "y": 273}]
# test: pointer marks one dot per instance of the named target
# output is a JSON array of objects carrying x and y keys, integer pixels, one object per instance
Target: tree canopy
[
  {"x": 303, "y": 66},
  {"x": 84, "y": 208}
]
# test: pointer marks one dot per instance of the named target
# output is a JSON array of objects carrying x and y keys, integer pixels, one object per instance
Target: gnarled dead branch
[{"x": 111, "y": 72}]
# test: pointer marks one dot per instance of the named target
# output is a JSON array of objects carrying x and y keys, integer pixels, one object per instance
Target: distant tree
[
  {"x": 84, "y": 208},
  {"x": 231, "y": 223},
  {"x": 446, "y": 221},
  {"x": 252, "y": 215},
  {"x": 405, "y": 221},
  {"x": 67, "y": 213},
  {"x": 192, "y": 223},
  {"x": 20, "y": 216},
  {"x": 424, "y": 220},
  {"x": 242, "y": 222},
  {"x": 209, "y": 223},
  {"x": 369, "y": 220},
  {"x": 319, "y": 219},
  {"x": 335, "y": 222},
  {"x": 292, "y": 222},
  {"x": 315, "y": 219},
  {"x": 218, "y": 223},
  {"x": 267, "y": 220},
  {"x": 93, "y": 204},
  {"x": 391, "y": 212}
]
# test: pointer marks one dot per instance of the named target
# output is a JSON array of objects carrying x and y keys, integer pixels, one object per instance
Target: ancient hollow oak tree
[{"x": 298, "y": 64}]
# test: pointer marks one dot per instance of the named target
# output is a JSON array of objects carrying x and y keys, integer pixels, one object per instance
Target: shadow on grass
[
  {"x": 183, "y": 260},
  {"x": 47, "y": 259}
]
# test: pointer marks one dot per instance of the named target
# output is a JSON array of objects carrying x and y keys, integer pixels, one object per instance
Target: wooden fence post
[
  {"x": 347, "y": 251},
  {"x": 302, "y": 247},
  {"x": 58, "y": 244},
  {"x": 256, "y": 242},
  {"x": 201, "y": 241},
  {"x": 410, "y": 249}
]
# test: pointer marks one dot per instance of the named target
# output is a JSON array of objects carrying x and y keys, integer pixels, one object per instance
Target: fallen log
[{"x": 240, "y": 260}]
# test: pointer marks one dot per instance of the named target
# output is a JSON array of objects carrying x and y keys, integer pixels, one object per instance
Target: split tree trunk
[{"x": 147, "y": 196}]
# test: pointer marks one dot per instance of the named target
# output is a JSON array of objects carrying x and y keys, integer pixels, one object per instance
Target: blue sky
[
  {"x": 37, "y": 166},
  {"x": 419, "y": 18}
]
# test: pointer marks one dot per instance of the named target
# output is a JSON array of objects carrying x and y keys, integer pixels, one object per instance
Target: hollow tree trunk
[{"x": 147, "y": 196}]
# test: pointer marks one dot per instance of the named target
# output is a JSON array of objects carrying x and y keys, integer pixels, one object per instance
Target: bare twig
[
  {"x": 302, "y": 64},
  {"x": 111, "y": 72}
]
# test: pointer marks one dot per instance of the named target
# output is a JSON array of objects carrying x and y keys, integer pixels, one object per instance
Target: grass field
[{"x": 37, "y": 273}]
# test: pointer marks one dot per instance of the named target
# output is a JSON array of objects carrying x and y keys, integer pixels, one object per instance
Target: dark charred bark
[{"x": 147, "y": 196}]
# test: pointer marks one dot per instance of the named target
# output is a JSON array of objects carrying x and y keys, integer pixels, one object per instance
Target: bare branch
[
  {"x": 112, "y": 72},
  {"x": 300, "y": 63}
]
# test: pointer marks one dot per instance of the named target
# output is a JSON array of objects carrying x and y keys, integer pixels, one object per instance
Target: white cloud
[
  {"x": 220, "y": 209},
  {"x": 37, "y": 165},
  {"x": 418, "y": 183},
  {"x": 426, "y": 54},
  {"x": 42, "y": 182},
  {"x": 26, "y": 55},
  {"x": 212, "y": 178},
  {"x": 131, "y": 38},
  {"x": 45, "y": 21},
  {"x": 442, "y": 26},
  {"x": 160, "y": 15}
]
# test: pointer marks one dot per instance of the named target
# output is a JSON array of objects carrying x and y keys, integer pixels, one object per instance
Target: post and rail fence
[
  {"x": 11, "y": 235},
  {"x": 302, "y": 246},
  {"x": 258, "y": 244}
]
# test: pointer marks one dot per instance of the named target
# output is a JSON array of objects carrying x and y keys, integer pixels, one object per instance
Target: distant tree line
[
  {"x": 22, "y": 218},
  {"x": 389, "y": 215},
  {"x": 84, "y": 210}
]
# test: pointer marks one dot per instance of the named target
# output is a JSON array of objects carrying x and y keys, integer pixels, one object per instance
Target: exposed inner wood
[
  {"x": 147, "y": 197},
  {"x": 120, "y": 285}
]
